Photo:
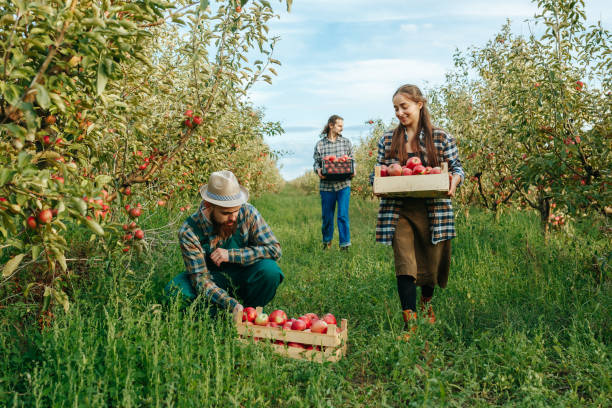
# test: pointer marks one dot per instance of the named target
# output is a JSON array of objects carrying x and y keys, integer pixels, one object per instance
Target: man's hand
[
  {"x": 238, "y": 309},
  {"x": 219, "y": 256},
  {"x": 321, "y": 176}
]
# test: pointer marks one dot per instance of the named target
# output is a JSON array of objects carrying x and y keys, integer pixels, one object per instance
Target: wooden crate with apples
[
  {"x": 413, "y": 185},
  {"x": 298, "y": 344}
]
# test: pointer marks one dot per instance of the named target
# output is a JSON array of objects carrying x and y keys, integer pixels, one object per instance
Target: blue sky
[{"x": 347, "y": 57}]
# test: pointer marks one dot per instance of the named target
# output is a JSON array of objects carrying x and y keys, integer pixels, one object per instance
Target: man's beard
[{"x": 224, "y": 231}]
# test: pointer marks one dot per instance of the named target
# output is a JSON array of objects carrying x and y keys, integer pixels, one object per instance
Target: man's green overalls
[{"x": 252, "y": 285}]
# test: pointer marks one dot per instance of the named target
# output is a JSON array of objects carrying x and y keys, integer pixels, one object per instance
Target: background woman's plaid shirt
[
  {"x": 439, "y": 210},
  {"x": 257, "y": 242},
  {"x": 326, "y": 147}
]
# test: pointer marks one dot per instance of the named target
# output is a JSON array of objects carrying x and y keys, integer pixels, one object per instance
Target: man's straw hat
[{"x": 223, "y": 190}]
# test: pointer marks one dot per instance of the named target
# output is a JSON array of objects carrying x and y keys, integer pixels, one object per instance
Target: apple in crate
[
  {"x": 406, "y": 172},
  {"x": 296, "y": 345},
  {"x": 418, "y": 169},
  {"x": 279, "y": 317},
  {"x": 319, "y": 326},
  {"x": 312, "y": 316},
  {"x": 413, "y": 162},
  {"x": 249, "y": 314},
  {"x": 329, "y": 318},
  {"x": 287, "y": 324},
  {"x": 394, "y": 170},
  {"x": 261, "y": 320},
  {"x": 307, "y": 320},
  {"x": 436, "y": 170},
  {"x": 383, "y": 171},
  {"x": 299, "y": 325}
]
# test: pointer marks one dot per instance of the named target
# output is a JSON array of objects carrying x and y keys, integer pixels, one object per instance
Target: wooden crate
[
  {"x": 330, "y": 346},
  {"x": 422, "y": 186}
]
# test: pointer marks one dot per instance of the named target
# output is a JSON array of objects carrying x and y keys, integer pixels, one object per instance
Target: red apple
[
  {"x": 312, "y": 316},
  {"x": 261, "y": 319},
  {"x": 413, "y": 162},
  {"x": 272, "y": 324},
  {"x": 189, "y": 113},
  {"x": 287, "y": 324},
  {"x": 319, "y": 326},
  {"x": 307, "y": 320},
  {"x": 394, "y": 170},
  {"x": 427, "y": 170},
  {"x": 132, "y": 225},
  {"x": 127, "y": 191},
  {"x": 135, "y": 212},
  {"x": 188, "y": 123},
  {"x": 45, "y": 216},
  {"x": 46, "y": 140},
  {"x": 436, "y": 170},
  {"x": 139, "y": 234},
  {"x": 331, "y": 158},
  {"x": 296, "y": 345},
  {"x": 329, "y": 318},
  {"x": 278, "y": 317},
  {"x": 31, "y": 221},
  {"x": 406, "y": 172},
  {"x": 197, "y": 120},
  {"x": 384, "y": 171},
  {"x": 128, "y": 237},
  {"x": 418, "y": 169},
  {"x": 249, "y": 314},
  {"x": 299, "y": 325}
]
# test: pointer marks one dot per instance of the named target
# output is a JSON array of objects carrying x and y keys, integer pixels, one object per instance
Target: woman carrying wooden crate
[{"x": 419, "y": 229}]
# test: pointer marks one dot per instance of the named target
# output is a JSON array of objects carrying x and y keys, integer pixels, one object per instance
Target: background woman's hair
[
  {"x": 398, "y": 146},
  {"x": 330, "y": 122}
]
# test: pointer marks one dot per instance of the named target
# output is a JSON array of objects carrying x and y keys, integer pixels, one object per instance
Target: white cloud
[{"x": 409, "y": 28}]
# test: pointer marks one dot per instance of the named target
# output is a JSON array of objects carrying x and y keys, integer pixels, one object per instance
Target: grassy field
[{"x": 523, "y": 322}]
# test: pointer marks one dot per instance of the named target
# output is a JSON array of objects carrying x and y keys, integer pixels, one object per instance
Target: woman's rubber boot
[
  {"x": 427, "y": 310},
  {"x": 410, "y": 320}
]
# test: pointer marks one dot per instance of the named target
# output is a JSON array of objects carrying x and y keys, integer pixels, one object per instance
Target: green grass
[{"x": 523, "y": 322}]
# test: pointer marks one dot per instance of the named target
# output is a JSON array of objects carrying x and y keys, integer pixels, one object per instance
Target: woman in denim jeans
[{"x": 334, "y": 191}]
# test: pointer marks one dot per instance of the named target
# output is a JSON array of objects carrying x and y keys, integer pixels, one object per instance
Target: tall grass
[{"x": 523, "y": 322}]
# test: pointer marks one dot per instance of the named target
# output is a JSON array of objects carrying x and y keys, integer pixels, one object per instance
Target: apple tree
[
  {"x": 533, "y": 115},
  {"x": 101, "y": 100}
]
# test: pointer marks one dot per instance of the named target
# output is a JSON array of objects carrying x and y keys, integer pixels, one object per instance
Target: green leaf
[
  {"x": 6, "y": 175},
  {"x": 62, "y": 261},
  {"x": 36, "y": 249},
  {"x": 102, "y": 79},
  {"x": 103, "y": 179},
  {"x": 62, "y": 298},
  {"x": 57, "y": 101},
  {"x": 42, "y": 96},
  {"x": 94, "y": 226},
  {"x": 11, "y": 265},
  {"x": 79, "y": 204},
  {"x": 203, "y": 5},
  {"x": 23, "y": 159}
]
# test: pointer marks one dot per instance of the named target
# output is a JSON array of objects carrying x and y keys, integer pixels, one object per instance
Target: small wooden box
[
  {"x": 330, "y": 346},
  {"x": 421, "y": 186}
]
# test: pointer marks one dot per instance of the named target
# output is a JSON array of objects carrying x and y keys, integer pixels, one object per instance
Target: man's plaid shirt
[
  {"x": 258, "y": 242},
  {"x": 439, "y": 210},
  {"x": 326, "y": 147}
]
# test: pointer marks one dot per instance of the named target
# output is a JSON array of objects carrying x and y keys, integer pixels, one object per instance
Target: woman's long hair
[
  {"x": 330, "y": 122},
  {"x": 398, "y": 145}
]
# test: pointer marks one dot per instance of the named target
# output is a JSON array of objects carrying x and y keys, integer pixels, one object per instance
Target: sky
[{"x": 347, "y": 57}]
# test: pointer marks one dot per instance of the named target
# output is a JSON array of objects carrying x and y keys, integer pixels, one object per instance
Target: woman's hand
[
  {"x": 454, "y": 182},
  {"x": 321, "y": 176}
]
